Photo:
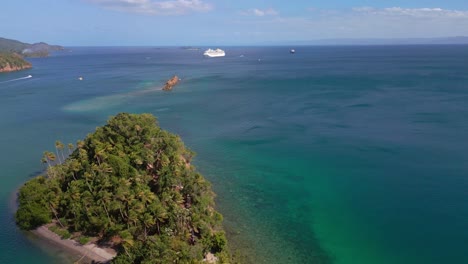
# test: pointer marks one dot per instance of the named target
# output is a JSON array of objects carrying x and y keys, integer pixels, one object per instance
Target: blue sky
[{"x": 223, "y": 22}]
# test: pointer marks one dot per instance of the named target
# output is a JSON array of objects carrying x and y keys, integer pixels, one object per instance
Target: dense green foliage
[
  {"x": 13, "y": 60},
  {"x": 131, "y": 183},
  {"x": 34, "y": 210}
]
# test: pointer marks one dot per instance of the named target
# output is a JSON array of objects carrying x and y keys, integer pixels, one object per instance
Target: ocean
[{"x": 330, "y": 155}]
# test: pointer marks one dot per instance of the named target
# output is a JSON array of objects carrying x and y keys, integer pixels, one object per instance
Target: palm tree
[
  {"x": 74, "y": 166},
  {"x": 127, "y": 241},
  {"x": 44, "y": 160},
  {"x": 48, "y": 157},
  {"x": 148, "y": 221},
  {"x": 52, "y": 197},
  {"x": 104, "y": 200},
  {"x": 101, "y": 150},
  {"x": 160, "y": 214},
  {"x": 59, "y": 148},
  {"x": 88, "y": 177},
  {"x": 80, "y": 144},
  {"x": 70, "y": 148}
]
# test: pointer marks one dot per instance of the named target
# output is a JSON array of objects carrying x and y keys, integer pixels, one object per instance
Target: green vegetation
[
  {"x": 84, "y": 240},
  {"x": 62, "y": 232},
  {"x": 131, "y": 184},
  {"x": 12, "y": 60},
  {"x": 34, "y": 210},
  {"x": 40, "y": 49}
]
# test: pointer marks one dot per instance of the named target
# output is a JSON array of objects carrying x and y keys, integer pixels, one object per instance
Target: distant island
[
  {"x": 39, "y": 49},
  {"x": 130, "y": 187},
  {"x": 12, "y": 53}
]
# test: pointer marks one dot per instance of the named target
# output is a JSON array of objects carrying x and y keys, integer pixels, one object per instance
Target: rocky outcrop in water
[{"x": 171, "y": 83}]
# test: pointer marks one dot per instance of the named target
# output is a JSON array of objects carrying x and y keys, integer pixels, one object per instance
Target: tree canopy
[
  {"x": 130, "y": 183},
  {"x": 12, "y": 60}
]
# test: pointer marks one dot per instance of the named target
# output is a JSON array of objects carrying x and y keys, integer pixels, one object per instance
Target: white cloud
[
  {"x": 261, "y": 12},
  {"x": 360, "y": 22},
  {"x": 413, "y": 12},
  {"x": 154, "y": 7},
  {"x": 402, "y": 22}
]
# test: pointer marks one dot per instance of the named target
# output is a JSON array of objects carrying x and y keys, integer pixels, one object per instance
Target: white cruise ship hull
[{"x": 214, "y": 53}]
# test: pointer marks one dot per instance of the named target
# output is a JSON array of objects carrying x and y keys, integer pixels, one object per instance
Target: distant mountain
[{"x": 40, "y": 49}]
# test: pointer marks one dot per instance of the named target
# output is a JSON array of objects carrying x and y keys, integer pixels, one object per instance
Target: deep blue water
[{"x": 331, "y": 155}]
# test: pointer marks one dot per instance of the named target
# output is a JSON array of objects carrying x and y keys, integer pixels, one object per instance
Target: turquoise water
[{"x": 331, "y": 155}]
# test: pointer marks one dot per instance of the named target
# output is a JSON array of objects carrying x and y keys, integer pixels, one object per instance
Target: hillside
[
  {"x": 12, "y": 62},
  {"x": 40, "y": 49},
  {"x": 10, "y": 45},
  {"x": 129, "y": 185}
]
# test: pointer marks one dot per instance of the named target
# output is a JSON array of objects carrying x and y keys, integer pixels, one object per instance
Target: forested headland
[
  {"x": 129, "y": 185},
  {"x": 12, "y": 53},
  {"x": 12, "y": 62}
]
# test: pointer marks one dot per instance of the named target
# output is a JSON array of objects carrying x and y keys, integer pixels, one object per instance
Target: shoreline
[{"x": 89, "y": 253}]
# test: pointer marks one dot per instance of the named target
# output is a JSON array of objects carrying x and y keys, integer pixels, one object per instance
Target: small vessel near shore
[
  {"x": 292, "y": 51},
  {"x": 214, "y": 53}
]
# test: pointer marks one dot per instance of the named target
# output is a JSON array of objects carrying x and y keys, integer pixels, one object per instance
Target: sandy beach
[{"x": 89, "y": 253}]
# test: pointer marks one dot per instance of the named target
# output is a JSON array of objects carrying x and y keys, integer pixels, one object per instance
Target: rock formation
[{"x": 171, "y": 83}]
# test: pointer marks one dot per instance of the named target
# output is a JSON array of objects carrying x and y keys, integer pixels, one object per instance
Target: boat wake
[{"x": 18, "y": 79}]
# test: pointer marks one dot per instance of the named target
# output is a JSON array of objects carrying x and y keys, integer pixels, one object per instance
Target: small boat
[
  {"x": 292, "y": 51},
  {"x": 80, "y": 78},
  {"x": 214, "y": 53}
]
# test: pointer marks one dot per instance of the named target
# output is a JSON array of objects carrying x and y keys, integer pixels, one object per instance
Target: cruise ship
[{"x": 214, "y": 53}]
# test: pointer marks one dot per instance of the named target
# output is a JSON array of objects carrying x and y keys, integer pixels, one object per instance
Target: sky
[{"x": 223, "y": 22}]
